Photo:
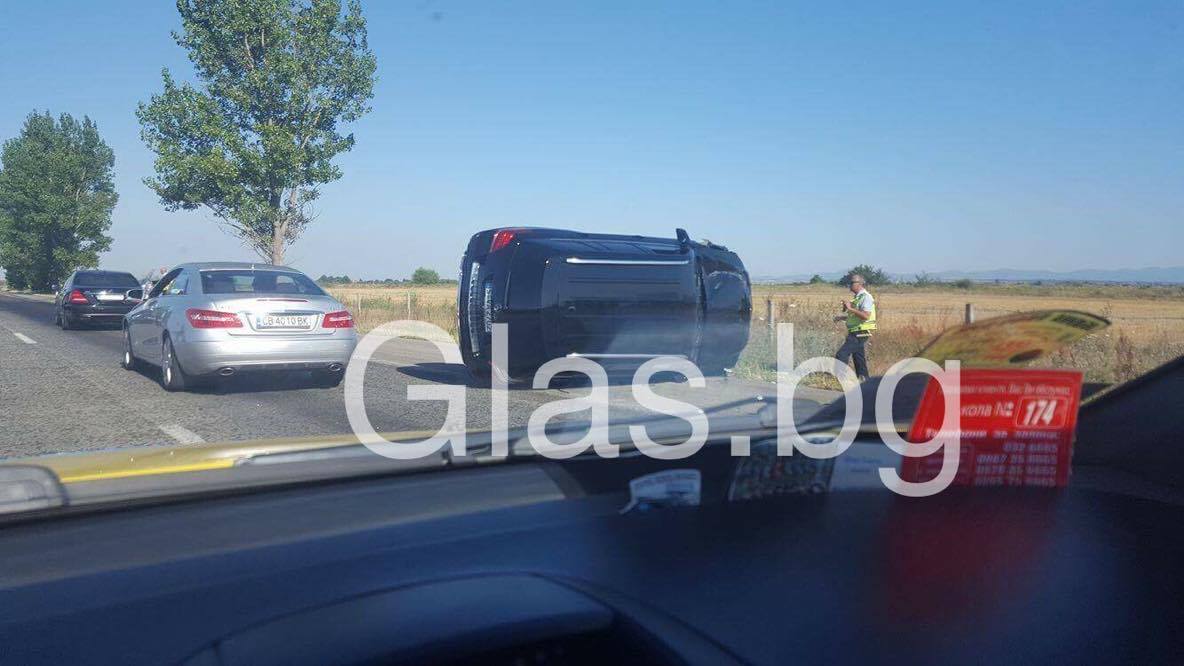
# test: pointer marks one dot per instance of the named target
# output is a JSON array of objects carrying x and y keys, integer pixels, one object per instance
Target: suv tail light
[
  {"x": 77, "y": 296},
  {"x": 502, "y": 238},
  {"x": 212, "y": 319},
  {"x": 339, "y": 319}
]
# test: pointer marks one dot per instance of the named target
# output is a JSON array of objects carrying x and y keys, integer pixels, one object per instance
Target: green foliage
[
  {"x": 56, "y": 198},
  {"x": 259, "y": 135},
  {"x": 334, "y": 279},
  {"x": 16, "y": 279},
  {"x": 425, "y": 276},
  {"x": 816, "y": 279},
  {"x": 924, "y": 279},
  {"x": 964, "y": 283},
  {"x": 872, "y": 276}
]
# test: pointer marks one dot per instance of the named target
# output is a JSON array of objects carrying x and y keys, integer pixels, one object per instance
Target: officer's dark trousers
[{"x": 854, "y": 348}]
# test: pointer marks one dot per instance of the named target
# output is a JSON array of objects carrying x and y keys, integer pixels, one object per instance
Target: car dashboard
[{"x": 536, "y": 562}]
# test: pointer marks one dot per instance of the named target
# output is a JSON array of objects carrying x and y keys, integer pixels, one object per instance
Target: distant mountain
[
  {"x": 794, "y": 277},
  {"x": 1152, "y": 275}
]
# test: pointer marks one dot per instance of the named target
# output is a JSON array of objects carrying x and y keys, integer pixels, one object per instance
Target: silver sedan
[{"x": 207, "y": 320}]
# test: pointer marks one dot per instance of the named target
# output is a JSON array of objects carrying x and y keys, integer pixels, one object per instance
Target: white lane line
[
  {"x": 24, "y": 338},
  {"x": 181, "y": 434}
]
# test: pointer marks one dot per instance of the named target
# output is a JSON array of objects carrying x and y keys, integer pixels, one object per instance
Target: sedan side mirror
[{"x": 134, "y": 294}]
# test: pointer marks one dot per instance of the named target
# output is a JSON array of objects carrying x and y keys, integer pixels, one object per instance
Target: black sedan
[{"x": 96, "y": 297}]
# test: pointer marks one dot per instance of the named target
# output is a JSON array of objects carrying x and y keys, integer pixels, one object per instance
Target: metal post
[
  {"x": 970, "y": 313},
  {"x": 408, "y": 305},
  {"x": 770, "y": 316}
]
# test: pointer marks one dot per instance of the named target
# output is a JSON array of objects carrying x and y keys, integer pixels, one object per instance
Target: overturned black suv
[{"x": 617, "y": 300}]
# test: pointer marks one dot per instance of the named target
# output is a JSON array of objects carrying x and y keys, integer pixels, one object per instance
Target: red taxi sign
[{"x": 1017, "y": 428}]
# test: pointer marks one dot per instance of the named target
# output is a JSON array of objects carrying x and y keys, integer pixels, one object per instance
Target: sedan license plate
[
  {"x": 109, "y": 297},
  {"x": 283, "y": 321}
]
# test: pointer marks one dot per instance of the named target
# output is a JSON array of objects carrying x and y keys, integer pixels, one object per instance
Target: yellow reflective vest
[{"x": 857, "y": 325}]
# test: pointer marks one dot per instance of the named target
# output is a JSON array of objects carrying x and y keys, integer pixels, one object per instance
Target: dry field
[
  {"x": 1147, "y": 330},
  {"x": 1147, "y": 323},
  {"x": 373, "y": 305}
]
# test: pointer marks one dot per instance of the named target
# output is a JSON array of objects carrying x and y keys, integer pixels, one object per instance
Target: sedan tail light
[
  {"x": 212, "y": 319},
  {"x": 77, "y": 296},
  {"x": 339, "y": 319}
]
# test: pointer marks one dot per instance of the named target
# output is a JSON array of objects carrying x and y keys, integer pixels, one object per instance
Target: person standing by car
[{"x": 860, "y": 318}]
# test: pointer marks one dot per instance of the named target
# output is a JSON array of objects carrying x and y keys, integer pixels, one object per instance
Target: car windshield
[
  {"x": 358, "y": 220},
  {"x": 257, "y": 282},
  {"x": 109, "y": 280}
]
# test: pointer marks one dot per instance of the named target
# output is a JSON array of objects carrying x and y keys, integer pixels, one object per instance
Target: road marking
[
  {"x": 181, "y": 434},
  {"x": 24, "y": 338}
]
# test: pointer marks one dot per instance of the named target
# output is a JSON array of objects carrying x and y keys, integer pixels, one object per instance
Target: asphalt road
[{"x": 64, "y": 391}]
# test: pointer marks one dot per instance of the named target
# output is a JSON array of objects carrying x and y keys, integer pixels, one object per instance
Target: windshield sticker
[
  {"x": 675, "y": 487},
  {"x": 765, "y": 474},
  {"x": 859, "y": 468}
]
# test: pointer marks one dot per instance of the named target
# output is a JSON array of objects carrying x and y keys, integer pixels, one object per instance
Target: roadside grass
[
  {"x": 1147, "y": 330},
  {"x": 25, "y": 293}
]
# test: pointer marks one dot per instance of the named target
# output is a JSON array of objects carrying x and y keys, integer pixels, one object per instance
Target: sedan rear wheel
[
  {"x": 172, "y": 377},
  {"x": 129, "y": 361}
]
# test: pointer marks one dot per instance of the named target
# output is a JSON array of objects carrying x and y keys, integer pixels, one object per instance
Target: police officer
[{"x": 860, "y": 317}]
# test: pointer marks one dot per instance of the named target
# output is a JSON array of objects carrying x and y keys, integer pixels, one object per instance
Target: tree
[
  {"x": 56, "y": 198},
  {"x": 871, "y": 275},
  {"x": 253, "y": 144},
  {"x": 924, "y": 279},
  {"x": 16, "y": 279},
  {"x": 425, "y": 276},
  {"x": 816, "y": 279}
]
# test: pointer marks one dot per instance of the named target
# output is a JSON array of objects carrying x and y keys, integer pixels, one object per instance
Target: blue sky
[{"x": 915, "y": 136}]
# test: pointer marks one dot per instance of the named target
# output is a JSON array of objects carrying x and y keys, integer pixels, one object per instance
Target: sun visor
[{"x": 1012, "y": 340}]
